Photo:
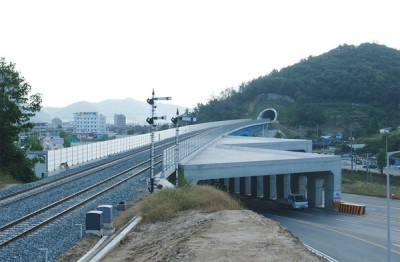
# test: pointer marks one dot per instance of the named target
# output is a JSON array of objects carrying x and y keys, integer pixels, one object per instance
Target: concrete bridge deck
[{"x": 268, "y": 167}]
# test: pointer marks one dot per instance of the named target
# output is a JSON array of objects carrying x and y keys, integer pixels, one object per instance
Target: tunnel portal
[{"x": 268, "y": 113}]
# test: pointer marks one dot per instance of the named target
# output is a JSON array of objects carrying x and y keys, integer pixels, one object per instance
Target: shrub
[{"x": 166, "y": 203}]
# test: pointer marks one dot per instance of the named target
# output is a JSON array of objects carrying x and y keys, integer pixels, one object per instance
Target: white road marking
[
  {"x": 297, "y": 212},
  {"x": 348, "y": 221}
]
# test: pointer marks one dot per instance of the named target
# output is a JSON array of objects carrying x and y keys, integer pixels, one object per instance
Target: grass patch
[
  {"x": 6, "y": 179},
  {"x": 375, "y": 186},
  {"x": 166, "y": 203}
]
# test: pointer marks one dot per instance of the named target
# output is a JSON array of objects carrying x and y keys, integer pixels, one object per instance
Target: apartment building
[
  {"x": 119, "y": 120},
  {"x": 89, "y": 123}
]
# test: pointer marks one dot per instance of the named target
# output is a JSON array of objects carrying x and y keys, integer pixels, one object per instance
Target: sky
[{"x": 190, "y": 50}]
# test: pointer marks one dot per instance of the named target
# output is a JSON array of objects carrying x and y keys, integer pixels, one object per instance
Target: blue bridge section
[{"x": 249, "y": 130}]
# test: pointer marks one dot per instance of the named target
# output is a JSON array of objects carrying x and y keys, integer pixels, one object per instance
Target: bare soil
[{"x": 230, "y": 235}]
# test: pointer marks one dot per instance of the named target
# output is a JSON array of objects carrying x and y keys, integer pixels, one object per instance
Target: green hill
[{"x": 356, "y": 86}]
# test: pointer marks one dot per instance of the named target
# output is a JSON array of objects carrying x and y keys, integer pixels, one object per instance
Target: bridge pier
[
  {"x": 332, "y": 187},
  {"x": 247, "y": 183},
  {"x": 319, "y": 187},
  {"x": 315, "y": 189},
  {"x": 286, "y": 185},
  {"x": 236, "y": 185},
  {"x": 302, "y": 185},
  {"x": 226, "y": 184}
]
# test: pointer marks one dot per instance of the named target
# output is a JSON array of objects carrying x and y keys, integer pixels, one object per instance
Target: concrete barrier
[{"x": 353, "y": 209}]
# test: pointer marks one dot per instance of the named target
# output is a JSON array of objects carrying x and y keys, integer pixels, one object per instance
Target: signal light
[
  {"x": 150, "y": 101},
  {"x": 150, "y": 120}
]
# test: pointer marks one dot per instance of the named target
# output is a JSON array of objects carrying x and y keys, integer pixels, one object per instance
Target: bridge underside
[{"x": 255, "y": 167}]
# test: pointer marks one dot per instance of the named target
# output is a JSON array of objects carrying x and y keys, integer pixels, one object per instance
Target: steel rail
[
  {"x": 117, "y": 160},
  {"x": 2, "y": 228},
  {"x": 35, "y": 227},
  {"x": 105, "y": 166}
]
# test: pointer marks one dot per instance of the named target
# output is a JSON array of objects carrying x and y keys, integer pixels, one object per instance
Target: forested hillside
[{"x": 349, "y": 85}]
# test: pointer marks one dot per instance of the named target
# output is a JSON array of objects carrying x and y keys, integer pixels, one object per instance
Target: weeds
[
  {"x": 357, "y": 183},
  {"x": 166, "y": 203}
]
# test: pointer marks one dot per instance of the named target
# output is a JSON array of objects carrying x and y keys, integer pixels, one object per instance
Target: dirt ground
[
  {"x": 231, "y": 235},
  {"x": 234, "y": 235}
]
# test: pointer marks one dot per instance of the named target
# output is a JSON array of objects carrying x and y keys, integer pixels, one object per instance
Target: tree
[
  {"x": 381, "y": 160},
  {"x": 16, "y": 109},
  {"x": 34, "y": 143}
]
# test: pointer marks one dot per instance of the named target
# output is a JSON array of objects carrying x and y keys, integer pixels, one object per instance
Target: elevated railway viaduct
[
  {"x": 226, "y": 152},
  {"x": 267, "y": 168}
]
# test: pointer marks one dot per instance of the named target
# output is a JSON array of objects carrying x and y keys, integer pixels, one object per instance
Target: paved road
[
  {"x": 341, "y": 236},
  {"x": 393, "y": 170}
]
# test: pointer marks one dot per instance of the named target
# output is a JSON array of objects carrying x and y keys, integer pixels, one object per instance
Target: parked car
[{"x": 371, "y": 166}]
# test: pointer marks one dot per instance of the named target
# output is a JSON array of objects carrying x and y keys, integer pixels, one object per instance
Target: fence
[{"x": 84, "y": 153}]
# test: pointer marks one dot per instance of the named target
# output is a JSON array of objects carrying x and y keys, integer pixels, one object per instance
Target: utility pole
[{"x": 351, "y": 149}]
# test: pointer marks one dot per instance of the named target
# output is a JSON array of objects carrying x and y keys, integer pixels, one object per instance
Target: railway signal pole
[
  {"x": 150, "y": 120},
  {"x": 175, "y": 120}
]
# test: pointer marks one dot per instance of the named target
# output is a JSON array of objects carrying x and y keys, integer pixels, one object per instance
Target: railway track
[
  {"x": 39, "y": 188},
  {"x": 50, "y": 202},
  {"x": 45, "y": 215}
]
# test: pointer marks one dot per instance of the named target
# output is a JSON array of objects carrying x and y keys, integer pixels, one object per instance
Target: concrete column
[
  {"x": 315, "y": 188},
  {"x": 226, "y": 184},
  {"x": 248, "y": 186},
  {"x": 286, "y": 185},
  {"x": 260, "y": 186},
  {"x": 311, "y": 191},
  {"x": 331, "y": 189},
  {"x": 272, "y": 187},
  {"x": 319, "y": 184},
  {"x": 303, "y": 185},
  {"x": 237, "y": 185},
  {"x": 280, "y": 192},
  {"x": 266, "y": 186}
]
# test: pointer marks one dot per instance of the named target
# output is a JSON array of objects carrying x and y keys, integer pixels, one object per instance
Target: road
[
  {"x": 346, "y": 164},
  {"x": 341, "y": 236}
]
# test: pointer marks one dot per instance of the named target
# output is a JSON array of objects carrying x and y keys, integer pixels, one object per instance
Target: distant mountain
[
  {"x": 135, "y": 111},
  {"x": 355, "y": 86}
]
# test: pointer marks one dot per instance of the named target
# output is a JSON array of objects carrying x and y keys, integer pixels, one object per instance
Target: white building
[{"x": 89, "y": 122}]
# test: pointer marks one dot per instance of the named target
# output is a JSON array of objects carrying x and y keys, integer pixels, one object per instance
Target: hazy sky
[{"x": 93, "y": 50}]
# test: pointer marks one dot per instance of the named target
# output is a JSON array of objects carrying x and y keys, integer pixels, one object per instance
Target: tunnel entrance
[{"x": 269, "y": 114}]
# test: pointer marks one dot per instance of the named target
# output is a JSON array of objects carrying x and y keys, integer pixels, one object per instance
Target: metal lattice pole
[
  {"x": 177, "y": 148},
  {"x": 152, "y": 148}
]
